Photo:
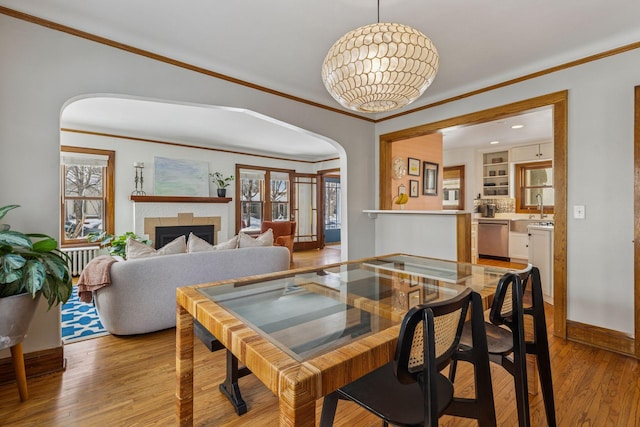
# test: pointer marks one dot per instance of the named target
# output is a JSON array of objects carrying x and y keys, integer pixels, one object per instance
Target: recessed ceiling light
[
  {"x": 494, "y": 142},
  {"x": 517, "y": 126}
]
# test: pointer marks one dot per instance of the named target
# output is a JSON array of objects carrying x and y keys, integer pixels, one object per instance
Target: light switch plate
[{"x": 578, "y": 212}]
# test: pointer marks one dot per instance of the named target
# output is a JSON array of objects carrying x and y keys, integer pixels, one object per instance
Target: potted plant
[
  {"x": 116, "y": 245},
  {"x": 221, "y": 182},
  {"x": 31, "y": 265}
]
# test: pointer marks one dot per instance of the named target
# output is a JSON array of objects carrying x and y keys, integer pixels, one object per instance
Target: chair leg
[
  {"x": 541, "y": 348},
  {"x": 520, "y": 363},
  {"x": 329, "y": 407},
  {"x": 522, "y": 392},
  {"x": 544, "y": 371},
  {"x": 21, "y": 374},
  {"x": 452, "y": 370}
]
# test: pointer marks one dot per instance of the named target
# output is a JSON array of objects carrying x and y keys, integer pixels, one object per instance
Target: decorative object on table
[
  {"x": 176, "y": 177},
  {"x": 116, "y": 245},
  {"x": 414, "y": 188},
  {"x": 402, "y": 198},
  {"x": 430, "y": 179},
  {"x": 138, "y": 180},
  {"x": 221, "y": 182},
  {"x": 398, "y": 168},
  {"x": 414, "y": 167},
  {"x": 31, "y": 265},
  {"x": 394, "y": 64}
]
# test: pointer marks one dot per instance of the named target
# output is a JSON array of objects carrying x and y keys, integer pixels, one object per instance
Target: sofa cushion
[
  {"x": 264, "y": 239},
  {"x": 197, "y": 244},
  {"x": 137, "y": 250},
  {"x": 232, "y": 243}
]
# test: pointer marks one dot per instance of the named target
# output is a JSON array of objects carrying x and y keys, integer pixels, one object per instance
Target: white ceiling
[
  {"x": 225, "y": 128},
  {"x": 280, "y": 44}
]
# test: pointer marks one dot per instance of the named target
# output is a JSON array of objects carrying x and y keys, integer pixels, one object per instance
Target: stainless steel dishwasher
[{"x": 493, "y": 238}]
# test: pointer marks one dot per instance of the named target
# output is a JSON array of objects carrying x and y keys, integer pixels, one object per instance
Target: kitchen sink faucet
[{"x": 540, "y": 205}]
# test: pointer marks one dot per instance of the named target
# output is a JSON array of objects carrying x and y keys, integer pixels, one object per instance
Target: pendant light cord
[{"x": 378, "y": 11}]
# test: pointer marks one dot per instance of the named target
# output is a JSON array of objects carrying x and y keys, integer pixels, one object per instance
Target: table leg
[
  {"x": 184, "y": 367},
  {"x": 230, "y": 386},
  {"x": 297, "y": 403}
]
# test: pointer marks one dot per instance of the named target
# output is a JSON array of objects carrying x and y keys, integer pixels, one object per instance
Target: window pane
[
  {"x": 332, "y": 218},
  {"x": 83, "y": 181},
  {"x": 531, "y": 196},
  {"x": 279, "y": 196},
  {"x": 251, "y": 216},
  {"x": 82, "y": 217},
  {"x": 538, "y": 177}
]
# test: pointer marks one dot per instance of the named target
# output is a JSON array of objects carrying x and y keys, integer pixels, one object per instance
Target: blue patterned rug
[{"x": 80, "y": 320}]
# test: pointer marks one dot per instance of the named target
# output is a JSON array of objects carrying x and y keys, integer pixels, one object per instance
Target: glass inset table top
[{"x": 311, "y": 313}]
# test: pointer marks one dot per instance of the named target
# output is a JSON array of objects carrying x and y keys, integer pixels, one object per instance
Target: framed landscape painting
[{"x": 176, "y": 177}]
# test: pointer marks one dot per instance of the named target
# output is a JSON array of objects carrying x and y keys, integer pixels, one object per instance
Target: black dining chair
[
  {"x": 410, "y": 390},
  {"x": 506, "y": 339}
]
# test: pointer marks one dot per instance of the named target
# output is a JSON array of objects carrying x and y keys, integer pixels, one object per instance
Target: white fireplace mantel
[{"x": 171, "y": 206}]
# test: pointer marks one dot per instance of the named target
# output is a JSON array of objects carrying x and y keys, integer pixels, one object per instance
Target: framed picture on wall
[
  {"x": 430, "y": 179},
  {"x": 414, "y": 298},
  {"x": 414, "y": 167},
  {"x": 414, "y": 188}
]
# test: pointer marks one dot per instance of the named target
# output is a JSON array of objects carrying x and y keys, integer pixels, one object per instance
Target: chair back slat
[
  {"x": 502, "y": 306},
  {"x": 445, "y": 330},
  {"x": 448, "y": 322}
]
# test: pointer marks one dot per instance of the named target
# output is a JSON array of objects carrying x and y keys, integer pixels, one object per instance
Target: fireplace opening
[{"x": 165, "y": 234}]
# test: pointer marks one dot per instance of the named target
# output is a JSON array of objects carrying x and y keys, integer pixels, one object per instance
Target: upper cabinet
[
  {"x": 495, "y": 174},
  {"x": 528, "y": 153}
]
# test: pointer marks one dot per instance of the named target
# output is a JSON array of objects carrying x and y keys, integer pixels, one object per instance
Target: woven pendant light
[{"x": 380, "y": 67}]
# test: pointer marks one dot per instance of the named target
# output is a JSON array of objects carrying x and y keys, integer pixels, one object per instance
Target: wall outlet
[{"x": 578, "y": 212}]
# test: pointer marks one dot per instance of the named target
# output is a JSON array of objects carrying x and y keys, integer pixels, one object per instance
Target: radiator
[{"x": 79, "y": 257}]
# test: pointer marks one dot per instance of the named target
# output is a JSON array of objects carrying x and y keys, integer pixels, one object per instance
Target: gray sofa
[{"x": 141, "y": 297}]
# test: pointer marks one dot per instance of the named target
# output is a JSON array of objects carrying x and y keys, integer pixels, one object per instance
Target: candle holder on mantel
[{"x": 139, "y": 180}]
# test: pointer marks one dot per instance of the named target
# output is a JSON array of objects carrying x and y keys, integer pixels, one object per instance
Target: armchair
[{"x": 283, "y": 233}]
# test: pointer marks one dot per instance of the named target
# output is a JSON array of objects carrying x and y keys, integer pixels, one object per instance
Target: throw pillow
[
  {"x": 264, "y": 239},
  {"x": 137, "y": 250},
  {"x": 197, "y": 244},
  {"x": 229, "y": 244}
]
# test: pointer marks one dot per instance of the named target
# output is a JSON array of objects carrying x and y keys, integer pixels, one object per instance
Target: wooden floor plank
[{"x": 130, "y": 381}]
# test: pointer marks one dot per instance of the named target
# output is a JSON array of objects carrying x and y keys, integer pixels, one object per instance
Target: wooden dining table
[{"x": 304, "y": 333}]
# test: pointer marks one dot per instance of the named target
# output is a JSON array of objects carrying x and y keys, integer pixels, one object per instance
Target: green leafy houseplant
[
  {"x": 32, "y": 263},
  {"x": 116, "y": 245},
  {"x": 220, "y": 180}
]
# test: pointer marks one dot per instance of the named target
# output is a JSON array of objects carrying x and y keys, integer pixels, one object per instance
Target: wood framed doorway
[{"x": 558, "y": 101}]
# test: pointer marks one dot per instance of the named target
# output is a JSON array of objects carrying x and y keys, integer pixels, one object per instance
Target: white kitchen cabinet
[
  {"x": 518, "y": 246},
  {"x": 541, "y": 256},
  {"x": 495, "y": 174},
  {"x": 533, "y": 152}
]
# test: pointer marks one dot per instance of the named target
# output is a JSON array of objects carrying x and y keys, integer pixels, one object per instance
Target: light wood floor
[{"x": 130, "y": 381}]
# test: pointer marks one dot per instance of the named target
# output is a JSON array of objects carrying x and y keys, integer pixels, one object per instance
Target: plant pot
[
  {"x": 222, "y": 192},
  {"x": 16, "y": 313}
]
